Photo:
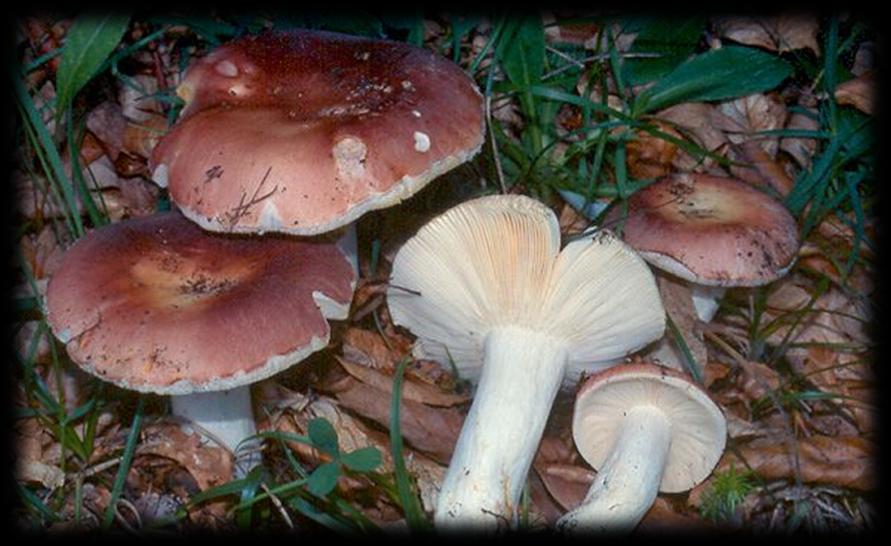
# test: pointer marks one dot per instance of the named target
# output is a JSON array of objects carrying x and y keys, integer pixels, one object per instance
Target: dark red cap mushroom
[
  {"x": 304, "y": 131},
  {"x": 156, "y": 304}
]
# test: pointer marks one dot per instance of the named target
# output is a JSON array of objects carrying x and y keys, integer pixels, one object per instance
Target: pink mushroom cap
[
  {"x": 302, "y": 131},
  {"x": 156, "y": 304},
  {"x": 710, "y": 230}
]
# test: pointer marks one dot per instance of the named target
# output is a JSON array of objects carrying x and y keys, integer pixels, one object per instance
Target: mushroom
[
  {"x": 156, "y": 304},
  {"x": 485, "y": 285},
  {"x": 302, "y": 132},
  {"x": 710, "y": 231},
  {"x": 646, "y": 429}
]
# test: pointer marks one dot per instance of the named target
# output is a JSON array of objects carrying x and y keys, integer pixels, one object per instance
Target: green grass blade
[
  {"x": 719, "y": 74},
  {"x": 407, "y": 495},
  {"x": 671, "y": 39},
  {"x": 33, "y": 502},
  {"x": 126, "y": 460},
  {"x": 693, "y": 368},
  {"x": 55, "y": 170},
  {"x": 319, "y": 516},
  {"x": 234, "y": 487},
  {"x": 812, "y": 182},
  {"x": 96, "y": 218},
  {"x": 89, "y": 42},
  {"x": 521, "y": 53},
  {"x": 282, "y": 490}
]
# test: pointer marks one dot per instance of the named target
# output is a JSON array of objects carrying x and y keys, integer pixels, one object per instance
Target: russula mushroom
[
  {"x": 156, "y": 304},
  {"x": 710, "y": 231},
  {"x": 486, "y": 285},
  {"x": 645, "y": 429},
  {"x": 302, "y": 131}
]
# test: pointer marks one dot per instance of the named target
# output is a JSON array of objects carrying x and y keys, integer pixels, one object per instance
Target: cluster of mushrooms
[{"x": 285, "y": 140}]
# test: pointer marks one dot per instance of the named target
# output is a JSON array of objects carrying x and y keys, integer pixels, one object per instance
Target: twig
[
  {"x": 122, "y": 520},
  {"x": 790, "y": 436},
  {"x": 240, "y": 211},
  {"x": 599, "y": 57},
  {"x": 99, "y": 467},
  {"x": 278, "y": 505}
]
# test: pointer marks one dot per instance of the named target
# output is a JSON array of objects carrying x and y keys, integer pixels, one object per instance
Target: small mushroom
[
  {"x": 485, "y": 285},
  {"x": 710, "y": 231},
  {"x": 645, "y": 429},
  {"x": 156, "y": 304},
  {"x": 302, "y": 132}
]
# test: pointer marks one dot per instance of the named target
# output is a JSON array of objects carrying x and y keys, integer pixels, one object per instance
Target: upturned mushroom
[
  {"x": 710, "y": 231},
  {"x": 156, "y": 304},
  {"x": 485, "y": 285},
  {"x": 645, "y": 429},
  {"x": 302, "y": 132}
]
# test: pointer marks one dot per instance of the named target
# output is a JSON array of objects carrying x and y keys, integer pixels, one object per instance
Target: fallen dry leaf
[
  {"x": 43, "y": 101},
  {"x": 43, "y": 252},
  {"x": 569, "y": 484},
  {"x": 841, "y": 461},
  {"x": 739, "y": 428},
  {"x": 411, "y": 389},
  {"x": 758, "y": 380},
  {"x": 100, "y": 174},
  {"x": 780, "y": 33},
  {"x": 834, "y": 319},
  {"x": 571, "y": 221},
  {"x": 136, "y": 198},
  {"x": 428, "y": 429},
  {"x": 107, "y": 124},
  {"x": 589, "y": 35},
  {"x": 352, "y": 434},
  {"x": 369, "y": 349},
  {"x": 678, "y": 302},
  {"x": 47, "y": 475},
  {"x": 858, "y": 92},
  {"x": 207, "y": 464},
  {"x": 743, "y": 118},
  {"x": 32, "y": 462},
  {"x": 94, "y": 502},
  {"x": 759, "y": 168},
  {"x": 664, "y": 518},
  {"x": 566, "y": 483},
  {"x": 694, "y": 120},
  {"x": 34, "y": 200},
  {"x": 45, "y": 37},
  {"x": 140, "y": 137},
  {"x": 137, "y": 100},
  {"x": 865, "y": 58},
  {"x": 649, "y": 156},
  {"x": 801, "y": 149},
  {"x": 155, "y": 507}
]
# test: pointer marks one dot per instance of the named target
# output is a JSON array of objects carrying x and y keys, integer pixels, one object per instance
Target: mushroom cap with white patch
[
  {"x": 156, "y": 304},
  {"x": 710, "y": 230},
  {"x": 698, "y": 428},
  {"x": 302, "y": 132},
  {"x": 496, "y": 261}
]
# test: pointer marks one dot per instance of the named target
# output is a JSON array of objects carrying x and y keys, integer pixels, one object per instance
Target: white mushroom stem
[
  {"x": 628, "y": 482},
  {"x": 705, "y": 300},
  {"x": 227, "y": 417},
  {"x": 521, "y": 375}
]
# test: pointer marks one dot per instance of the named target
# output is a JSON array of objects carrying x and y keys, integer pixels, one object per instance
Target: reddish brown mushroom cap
[
  {"x": 710, "y": 230},
  {"x": 303, "y": 131},
  {"x": 156, "y": 304}
]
